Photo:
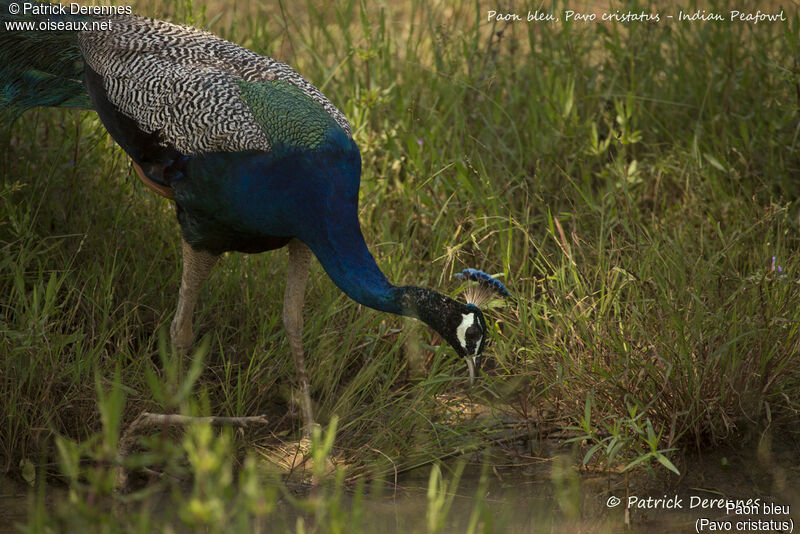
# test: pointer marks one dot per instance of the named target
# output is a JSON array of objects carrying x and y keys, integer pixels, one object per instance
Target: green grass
[{"x": 630, "y": 183}]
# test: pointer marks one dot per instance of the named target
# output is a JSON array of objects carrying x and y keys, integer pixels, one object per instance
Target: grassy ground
[{"x": 635, "y": 185}]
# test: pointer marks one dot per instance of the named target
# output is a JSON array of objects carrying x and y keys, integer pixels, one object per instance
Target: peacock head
[
  {"x": 466, "y": 332},
  {"x": 471, "y": 333},
  {"x": 460, "y": 324}
]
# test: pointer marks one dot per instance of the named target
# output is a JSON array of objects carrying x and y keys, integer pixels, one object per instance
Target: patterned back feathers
[{"x": 200, "y": 92}]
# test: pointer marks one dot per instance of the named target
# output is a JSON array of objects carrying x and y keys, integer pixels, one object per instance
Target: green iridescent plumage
[
  {"x": 38, "y": 68},
  {"x": 289, "y": 117}
]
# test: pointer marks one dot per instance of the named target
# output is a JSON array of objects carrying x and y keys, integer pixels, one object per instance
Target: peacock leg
[
  {"x": 299, "y": 261},
  {"x": 197, "y": 266}
]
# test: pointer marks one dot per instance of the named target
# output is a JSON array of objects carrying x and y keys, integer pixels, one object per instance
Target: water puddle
[{"x": 540, "y": 490}]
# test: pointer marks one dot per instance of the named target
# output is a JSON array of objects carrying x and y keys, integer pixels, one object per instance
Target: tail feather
[{"x": 38, "y": 67}]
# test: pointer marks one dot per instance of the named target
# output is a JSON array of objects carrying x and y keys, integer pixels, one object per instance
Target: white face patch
[
  {"x": 467, "y": 320},
  {"x": 461, "y": 332}
]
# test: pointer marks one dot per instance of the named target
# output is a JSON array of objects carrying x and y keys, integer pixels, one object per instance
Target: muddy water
[
  {"x": 13, "y": 504},
  {"x": 539, "y": 490}
]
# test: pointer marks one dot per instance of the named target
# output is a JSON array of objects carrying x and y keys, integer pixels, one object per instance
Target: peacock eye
[{"x": 474, "y": 332}]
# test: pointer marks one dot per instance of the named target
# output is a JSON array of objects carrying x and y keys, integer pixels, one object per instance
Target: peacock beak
[{"x": 474, "y": 366}]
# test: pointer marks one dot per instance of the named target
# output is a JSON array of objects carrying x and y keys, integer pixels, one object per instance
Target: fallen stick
[{"x": 147, "y": 420}]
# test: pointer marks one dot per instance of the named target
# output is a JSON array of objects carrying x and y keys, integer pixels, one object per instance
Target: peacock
[{"x": 253, "y": 155}]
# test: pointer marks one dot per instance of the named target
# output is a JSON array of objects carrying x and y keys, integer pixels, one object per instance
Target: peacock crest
[{"x": 484, "y": 290}]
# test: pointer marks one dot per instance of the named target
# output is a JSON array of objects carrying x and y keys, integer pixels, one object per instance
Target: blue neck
[
  {"x": 347, "y": 261},
  {"x": 328, "y": 205}
]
